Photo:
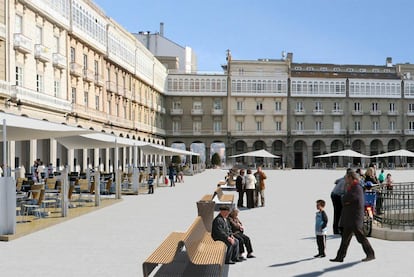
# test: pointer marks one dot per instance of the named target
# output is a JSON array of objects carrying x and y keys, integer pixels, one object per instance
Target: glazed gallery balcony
[{"x": 43, "y": 100}]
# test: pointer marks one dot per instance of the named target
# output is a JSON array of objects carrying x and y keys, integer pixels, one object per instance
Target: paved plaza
[{"x": 114, "y": 241}]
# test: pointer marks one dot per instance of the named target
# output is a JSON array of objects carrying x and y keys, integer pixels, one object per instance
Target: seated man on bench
[{"x": 221, "y": 231}]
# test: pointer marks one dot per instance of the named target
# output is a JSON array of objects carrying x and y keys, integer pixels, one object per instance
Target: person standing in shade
[
  {"x": 240, "y": 188},
  {"x": 321, "y": 221},
  {"x": 260, "y": 187},
  {"x": 171, "y": 173},
  {"x": 352, "y": 218},
  {"x": 221, "y": 231},
  {"x": 150, "y": 184},
  {"x": 250, "y": 186}
]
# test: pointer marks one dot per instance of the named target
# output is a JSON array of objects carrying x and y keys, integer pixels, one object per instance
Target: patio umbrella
[
  {"x": 396, "y": 153},
  {"x": 258, "y": 153},
  {"x": 344, "y": 153}
]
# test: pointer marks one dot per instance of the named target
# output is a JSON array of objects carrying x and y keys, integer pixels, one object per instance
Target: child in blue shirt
[{"x": 321, "y": 221}]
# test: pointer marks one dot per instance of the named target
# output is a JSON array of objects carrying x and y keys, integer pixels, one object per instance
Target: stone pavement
[{"x": 114, "y": 241}]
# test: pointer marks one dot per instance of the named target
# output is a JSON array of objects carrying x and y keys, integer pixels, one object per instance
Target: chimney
[
  {"x": 162, "y": 29},
  {"x": 388, "y": 62},
  {"x": 290, "y": 56}
]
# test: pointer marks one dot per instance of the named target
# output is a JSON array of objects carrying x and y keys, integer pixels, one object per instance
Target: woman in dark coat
[
  {"x": 238, "y": 231},
  {"x": 352, "y": 218}
]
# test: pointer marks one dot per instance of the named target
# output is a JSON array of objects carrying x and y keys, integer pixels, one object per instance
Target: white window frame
[
  {"x": 19, "y": 76},
  {"x": 56, "y": 44},
  {"x": 259, "y": 126},
  {"x": 299, "y": 106},
  {"x": 278, "y": 106},
  {"x": 86, "y": 98},
  {"x": 278, "y": 126},
  {"x": 40, "y": 86},
  {"x": 375, "y": 125},
  {"x": 392, "y": 125},
  {"x": 197, "y": 105},
  {"x": 357, "y": 126},
  {"x": 318, "y": 106},
  {"x": 85, "y": 61},
  {"x": 73, "y": 92},
  {"x": 176, "y": 104},
  {"x": 56, "y": 88},
  {"x": 217, "y": 105},
  {"x": 97, "y": 101},
  {"x": 299, "y": 125},
  {"x": 38, "y": 35},
  {"x": 239, "y": 105},
  {"x": 18, "y": 24},
  {"x": 72, "y": 54},
  {"x": 176, "y": 126},
  {"x": 217, "y": 126},
  {"x": 240, "y": 126},
  {"x": 197, "y": 127},
  {"x": 318, "y": 125}
]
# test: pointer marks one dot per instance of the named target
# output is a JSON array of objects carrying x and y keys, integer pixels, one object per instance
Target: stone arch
[
  {"x": 258, "y": 145},
  {"x": 180, "y": 145},
  {"x": 278, "y": 149},
  {"x": 240, "y": 146},
  {"x": 359, "y": 146},
  {"x": 218, "y": 147},
  {"x": 393, "y": 144},
  {"x": 300, "y": 154},
  {"x": 318, "y": 148},
  {"x": 376, "y": 147},
  {"x": 200, "y": 148}
]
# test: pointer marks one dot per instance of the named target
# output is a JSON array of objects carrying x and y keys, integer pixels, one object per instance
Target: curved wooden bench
[
  {"x": 164, "y": 254},
  {"x": 199, "y": 247}
]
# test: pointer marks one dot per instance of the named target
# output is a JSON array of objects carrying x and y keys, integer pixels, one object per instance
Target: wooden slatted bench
[
  {"x": 164, "y": 254},
  {"x": 199, "y": 248},
  {"x": 219, "y": 196},
  {"x": 207, "y": 197},
  {"x": 223, "y": 197}
]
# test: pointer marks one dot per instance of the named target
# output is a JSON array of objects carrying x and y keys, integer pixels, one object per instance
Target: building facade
[
  {"x": 65, "y": 61},
  {"x": 301, "y": 110},
  {"x": 176, "y": 58}
]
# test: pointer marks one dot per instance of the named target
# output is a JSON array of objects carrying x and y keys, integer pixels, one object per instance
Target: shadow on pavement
[
  {"x": 327, "y": 237},
  {"x": 333, "y": 268},
  {"x": 291, "y": 262}
]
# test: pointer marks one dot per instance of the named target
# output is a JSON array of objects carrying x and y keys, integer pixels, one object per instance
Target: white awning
[
  {"x": 344, "y": 153},
  {"x": 164, "y": 150},
  {"x": 20, "y": 128},
  {"x": 258, "y": 153},
  {"x": 97, "y": 140},
  {"x": 396, "y": 153}
]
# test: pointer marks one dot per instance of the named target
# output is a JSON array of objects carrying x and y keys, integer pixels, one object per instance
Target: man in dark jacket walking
[
  {"x": 221, "y": 231},
  {"x": 352, "y": 218}
]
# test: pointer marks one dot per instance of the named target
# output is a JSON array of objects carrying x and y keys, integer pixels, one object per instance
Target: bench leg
[{"x": 147, "y": 268}]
